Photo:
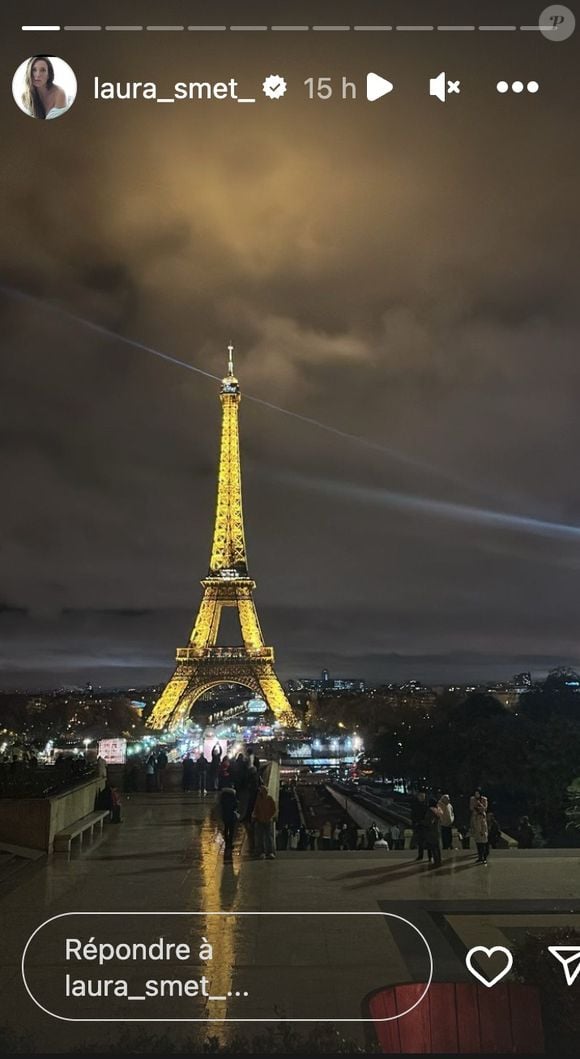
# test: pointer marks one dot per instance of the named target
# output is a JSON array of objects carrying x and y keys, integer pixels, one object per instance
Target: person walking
[
  {"x": 336, "y": 833},
  {"x": 327, "y": 835},
  {"x": 263, "y": 816},
  {"x": 395, "y": 836},
  {"x": 431, "y": 833},
  {"x": 447, "y": 818},
  {"x": 480, "y": 830},
  {"x": 228, "y": 802}
]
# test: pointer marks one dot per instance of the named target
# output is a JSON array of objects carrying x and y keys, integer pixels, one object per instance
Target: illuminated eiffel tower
[{"x": 202, "y": 664}]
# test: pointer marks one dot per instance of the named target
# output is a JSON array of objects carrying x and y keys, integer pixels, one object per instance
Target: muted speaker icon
[{"x": 441, "y": 87}]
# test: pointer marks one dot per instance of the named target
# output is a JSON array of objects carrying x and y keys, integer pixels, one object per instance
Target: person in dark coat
[
  {"x": 525, "y": 834},
  {"x": 303, "y": 838},
  {"x": 252, "y": 785},
  {"x": 247, "y": 794},
  {"x": 104, "y": 799},
  {"x": 282, "y": 837},
  {"x": 202, "y": 766},
  {"x": 494, "y": 831},
  {"x": 240, "y": 772},
  {"x": 431, "y": 833},
  {"x": 343, "y": 837},
  {"x": 373, "y": 835},
  {"x": 162, "y": 762},
  {"x": 224, "y": 778},
  {"x": 216, "y": 756},
  {"x": 109, "y": 798},
  {"x": 188, "y": 775},
  {"x": 418, "y": 822},
  {"x": 228, "y": 806}
]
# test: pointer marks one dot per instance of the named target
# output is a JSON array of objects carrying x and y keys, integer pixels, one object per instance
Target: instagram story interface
[{"x": 290, "y": 619}]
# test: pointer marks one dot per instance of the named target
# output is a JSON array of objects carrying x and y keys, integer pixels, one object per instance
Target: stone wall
[{"x": 33, "y": 822}]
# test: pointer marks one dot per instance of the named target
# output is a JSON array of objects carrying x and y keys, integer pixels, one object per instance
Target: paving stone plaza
[{"x": 167, "y": 856}]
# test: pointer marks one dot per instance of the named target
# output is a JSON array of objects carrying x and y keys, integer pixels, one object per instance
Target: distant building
[
  {"x": 523, "y": 680},
  {"x": 505, "y": 692},
  {"x": 414, "y": 693},
  {"x": 411, "y": 693},
  {"x": 326, "y": 683}
]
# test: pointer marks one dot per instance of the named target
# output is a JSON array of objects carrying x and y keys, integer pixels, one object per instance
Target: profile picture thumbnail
[{"x": 44, "y": 86}]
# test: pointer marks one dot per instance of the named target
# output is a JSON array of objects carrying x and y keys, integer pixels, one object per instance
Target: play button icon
[{"x": 378, "y": 86}]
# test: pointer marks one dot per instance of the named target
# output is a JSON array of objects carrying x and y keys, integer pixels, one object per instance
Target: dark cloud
[
  {"x": 404, "y": 273},
  {"x": 107, "y": 612}
]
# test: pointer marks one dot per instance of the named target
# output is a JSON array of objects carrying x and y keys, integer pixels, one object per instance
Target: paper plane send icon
[
  {"x": 569, "y": 957},
  {"x": 377, "y": 86}
]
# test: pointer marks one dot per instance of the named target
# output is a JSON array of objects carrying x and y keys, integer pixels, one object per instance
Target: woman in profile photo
[{"x": 41, "y": 97}]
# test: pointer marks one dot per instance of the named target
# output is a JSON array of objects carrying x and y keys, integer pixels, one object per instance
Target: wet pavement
[{"x": 168, "y": 856}]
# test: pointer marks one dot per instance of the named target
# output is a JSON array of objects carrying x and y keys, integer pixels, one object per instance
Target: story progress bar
[{"x": 286, "y": 29}]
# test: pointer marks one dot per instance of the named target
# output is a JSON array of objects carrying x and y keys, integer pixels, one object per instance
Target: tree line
[{"x": 524, "y": 757}]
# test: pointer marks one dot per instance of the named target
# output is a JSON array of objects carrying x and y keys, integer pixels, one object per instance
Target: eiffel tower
[{"x": 202, "y": 664}]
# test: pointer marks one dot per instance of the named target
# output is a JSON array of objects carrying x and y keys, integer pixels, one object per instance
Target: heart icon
[{"x": 478, "y": 949}]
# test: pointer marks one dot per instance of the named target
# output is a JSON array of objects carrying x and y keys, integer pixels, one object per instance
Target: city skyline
[{"x": 478, "y": 680}]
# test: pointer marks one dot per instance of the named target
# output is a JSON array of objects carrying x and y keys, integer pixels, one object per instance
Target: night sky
[{"x": 404, "y": 272}]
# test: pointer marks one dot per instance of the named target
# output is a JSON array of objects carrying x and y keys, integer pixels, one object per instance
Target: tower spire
[{"x": 228, "y": 553}]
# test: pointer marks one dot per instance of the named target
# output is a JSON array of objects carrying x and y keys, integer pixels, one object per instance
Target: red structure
[{"x": 459, "y": 1018}]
